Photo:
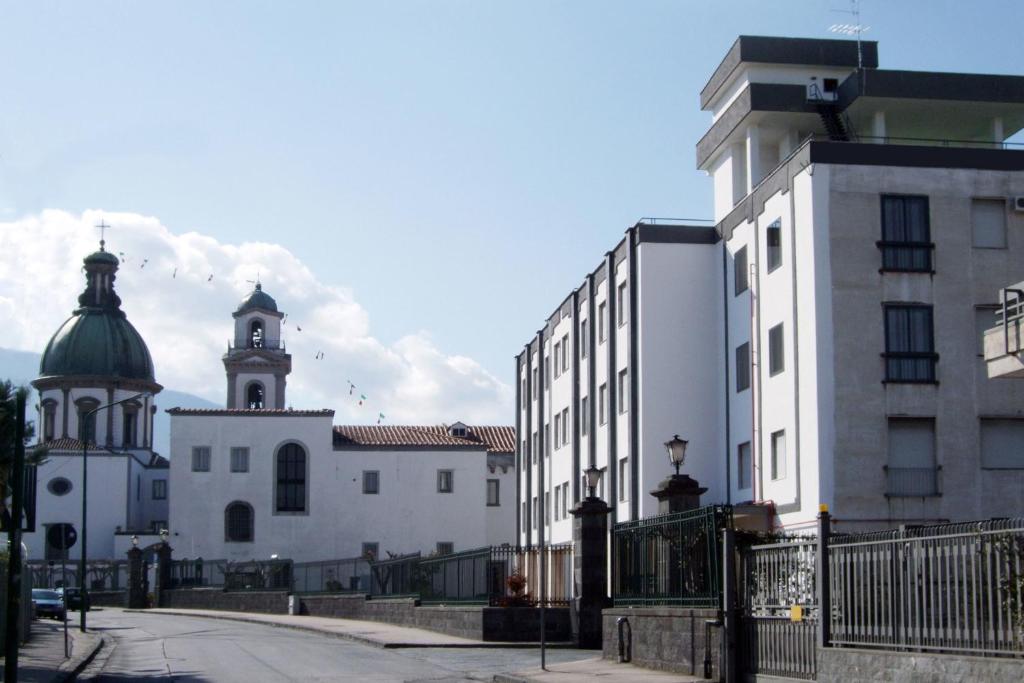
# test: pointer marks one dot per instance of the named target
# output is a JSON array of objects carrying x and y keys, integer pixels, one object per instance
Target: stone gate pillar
[
  {"x": 163, "y": 572},
  {"x": 590, "y": 568},
  {"x": 136, "y": 598}
]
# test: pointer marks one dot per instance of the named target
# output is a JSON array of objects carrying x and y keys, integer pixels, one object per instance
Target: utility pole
[{"x": 17, "y": 482}]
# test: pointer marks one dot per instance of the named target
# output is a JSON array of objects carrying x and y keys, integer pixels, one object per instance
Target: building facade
[
  {"x": 97, "y": 389},
  {"x": 830, "y": 343},
  {"x": 256, "y": 479}
]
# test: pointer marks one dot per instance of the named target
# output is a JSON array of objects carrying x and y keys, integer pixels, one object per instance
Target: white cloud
[{"x": 186, "y": 319}]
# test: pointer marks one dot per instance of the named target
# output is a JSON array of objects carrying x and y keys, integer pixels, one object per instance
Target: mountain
[{"x": 21, "y": 367}]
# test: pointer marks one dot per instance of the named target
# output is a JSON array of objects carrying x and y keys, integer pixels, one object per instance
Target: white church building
[{"x": 256, "y": 479}]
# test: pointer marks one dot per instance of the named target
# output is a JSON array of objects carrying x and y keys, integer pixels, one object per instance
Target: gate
[{"x": 779, "y": 609}]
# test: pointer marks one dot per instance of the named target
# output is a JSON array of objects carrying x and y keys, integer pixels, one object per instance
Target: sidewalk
[
  {"x": 41, "y": 659},
  {"x": 586, "y": 670},
  {"x": 372, "y": 633}
]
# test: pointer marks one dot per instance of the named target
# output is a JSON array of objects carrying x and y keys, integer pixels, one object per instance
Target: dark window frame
[
  {"x": 159, "y": 489},
  {"x": 776, "y": 342},
  {"x": 291, "y": 479},
  {"x": 196, "y": 462},
  {"x": 239, "y": 522},
  {"x": 375, "y": 488},
  {"x": 773, "y": 252},
  {"x": 895, "y": 250},
  {"x": 740, "y": 274},
  {"x": 238, "y": 450},
  {"x": 450, "y": 487},
  {"x": 743, "y": 379},
  {"x": 497, "y": 493},
  {"x": 892, "y": 359}
]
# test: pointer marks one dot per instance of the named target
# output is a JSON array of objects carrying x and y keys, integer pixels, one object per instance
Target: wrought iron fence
[
  {"x": 101, "y": 575},
  {"x": 774, "y": 579},
  {"x": 395, "y": 576},
  {"x": 955, "y": 588},
  {"x": 672, "y": 559},
  {"x": 350, "y": 575},
  {"x": 230, "y": 575},
  {"x": 559, "y": 588}
]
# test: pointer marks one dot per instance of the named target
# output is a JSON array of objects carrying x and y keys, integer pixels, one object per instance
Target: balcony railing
[
  {"x": 910, "y": 366},
  {"x": 266, "y": 344},
  {"x": 912, "y": 482}
]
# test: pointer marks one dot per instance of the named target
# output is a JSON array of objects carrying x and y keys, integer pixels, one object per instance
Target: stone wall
[
  {"x": 848, "y": 665},
  {"x": 493, "y": 624},
  {"x": 108, "y": 598},
  {"x": 267, "y": 602},
  {"x": 666, "y": 638}
]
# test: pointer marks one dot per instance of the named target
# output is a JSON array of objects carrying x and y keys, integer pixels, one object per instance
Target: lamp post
[
  {"x": 676, "y": 448},
  {"x": 85, "y": 487},
  {"x": 677, "y": 492},
  {"x": 593, "y": 476}
]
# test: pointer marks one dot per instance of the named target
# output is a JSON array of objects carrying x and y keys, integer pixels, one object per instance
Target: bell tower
[{"x": 256, "y": 363}]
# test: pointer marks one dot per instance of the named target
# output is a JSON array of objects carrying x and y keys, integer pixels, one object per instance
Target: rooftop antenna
[{"x": 854, "y": 29}]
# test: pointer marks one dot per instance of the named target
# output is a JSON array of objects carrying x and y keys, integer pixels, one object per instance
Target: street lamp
[
  {"x": 82, "y": 431},
  {"x": 676, "y": 448},
  {"x": 135, "y": 541},
  {"x": 593, "y": 476},
  {"x": 164, "y": 533}
]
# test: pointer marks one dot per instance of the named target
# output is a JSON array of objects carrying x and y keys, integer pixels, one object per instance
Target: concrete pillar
[
  {"x": 878, "y": 133},
  {"x": 590, "y": 568},
  {"x": 998, "y": 134},
  {"x": 678, "y": 493},
  {"x": 136, "y": 580},
  {"x": 163, "y": 572},
  {"x": 753, "y": 157}
]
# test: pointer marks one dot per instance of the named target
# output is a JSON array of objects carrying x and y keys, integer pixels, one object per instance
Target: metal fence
[
  {"x": 672, "y": 559},
  {"x": 950, "y": 588},
  {"x": 478, "y": 576},
  {"x": 774, "y": 578},
  {"x": 350, "y": 575},
  {"x": 230, "y": 575},
  {"x": 101, "y": 575}
]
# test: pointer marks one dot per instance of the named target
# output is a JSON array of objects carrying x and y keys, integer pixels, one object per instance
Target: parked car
[
  {"x": 73, "y": 597},
  {"x": 48, "y": 603}
]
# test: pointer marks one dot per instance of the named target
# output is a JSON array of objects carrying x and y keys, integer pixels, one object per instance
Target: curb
[
  {"x": 71, "y": 674},
  {"x": 373, "y": 642},
  {"x": 511, "y": 678}
]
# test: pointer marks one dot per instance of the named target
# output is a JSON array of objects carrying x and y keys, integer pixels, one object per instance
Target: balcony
[
  {"x": 1005, "y": 341},
  {"x": 912, "y": 482},
  {"x": 262, "y": 344}
]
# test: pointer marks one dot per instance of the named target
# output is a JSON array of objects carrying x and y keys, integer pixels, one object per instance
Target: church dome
[
  {"x": 97, "y": 340},
  {"x": 257, "y": 299}
]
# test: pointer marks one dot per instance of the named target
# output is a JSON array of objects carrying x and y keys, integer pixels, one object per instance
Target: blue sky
[{"x": 458, "y": 165}]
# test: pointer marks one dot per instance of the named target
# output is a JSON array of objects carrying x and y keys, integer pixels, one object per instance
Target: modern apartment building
[{"x": 824, "y": 344}]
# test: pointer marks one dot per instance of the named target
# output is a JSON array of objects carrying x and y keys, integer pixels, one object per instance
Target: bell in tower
[{"x": 256, "y": 363}]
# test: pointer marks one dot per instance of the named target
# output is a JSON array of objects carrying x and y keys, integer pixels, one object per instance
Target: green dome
[
  {"x": 257, "y": 299},
  {"x": 101, "y": 258},
  {"x": 97, "y": 343}
]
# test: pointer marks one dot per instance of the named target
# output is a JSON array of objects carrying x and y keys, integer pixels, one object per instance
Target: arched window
[
  {"x": 254, "y": 396},
  {"x": 49, "y": 419},
  {"x": 291, "y": 478},
  {"x": 256, "y": 334},
  {"x": 129, "y": 424},
  {"x": 238, "y": 523},
  {"x": 87, "y": 419}
]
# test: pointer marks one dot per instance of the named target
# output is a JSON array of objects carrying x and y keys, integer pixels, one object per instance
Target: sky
[{"x": 424, "y": 180}]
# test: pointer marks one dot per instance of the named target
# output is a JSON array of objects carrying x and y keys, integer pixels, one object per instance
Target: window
[
  {"x": 779, "y": 454},
  {"x": 743, "y": 466},
  {"x": 623, "y": 390},
  {"x": 534, "y": 517},
  {"x": 565, "y": 426},
  {"x": 291, "y": 478},
  {"x": 200, "y": 458},
  {"x": 535, "y": 379},
  {"x": 129, "y": 420},
  {"x": 602, "y": 403},
  {"x": 584, "y": 338},
  {"x": 445, "y": 547},
  {"x": 547, "y": 509},
  {"x": 909, "y": 344},
  {"x": 371, "y": 550},
  {"x": 774, "y": 239},
  {"x": 523, "y": 394},
  {"x": 984, "y": 319},
  {"x": 906, "y": 235},
  {"x": 547, "y": 440},
  {"x": 158, "y": 525},
  {"x": 622, "y": 304},
  {"x": 87, "y": 420},
  {"x": 601, "y": 485},
  {"x": 536, "y": 447},
  {"x": 601, "y": 322},
  {"x": 743, "y": 366},
  {"x": 565, "y": 353},
  {"x": 624, "y": 479},
  {"x": 1002, "y": 444},
  {"x": 558, "y": 500},
  {"x": 522, "y": 515},
  {"x": 493, "y": 492},
  {"x": 911, "y": 467},
  {"x": 256, "y": 334},
  {"x": 239, "y": 459},
  {"x": 740, "y": 275},
  {"x": 565, "y": 500},
  {"x": 445, "y": 481},
  {"x": 558, "y": 357},
  {"x": 371, "y": 482},
  {"x": 547, "y": 372},
  {"x": 254, "y": 396},
  {"x": 159, "y": 489},
  {"x": 558, "y": 429},
  {"x": 238, "y": 523},
  {"x": 988, "y": 223},
  {"x": 776, "y": 350},
  {"x": 49, "y": 420},
  {"x": 584, "y": 415}
]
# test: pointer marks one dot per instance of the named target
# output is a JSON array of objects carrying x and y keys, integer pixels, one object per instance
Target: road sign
[{"x": 61, "y": 536}]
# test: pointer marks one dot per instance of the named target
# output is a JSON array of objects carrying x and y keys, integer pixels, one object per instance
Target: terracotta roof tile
[
  {"x": 67, "y": 444},
  {"x": 494, "y": 439},
  {"x": 250, "y": 412}
]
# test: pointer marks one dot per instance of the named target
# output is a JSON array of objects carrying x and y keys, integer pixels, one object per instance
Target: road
[{"x": 163, "y": 647}]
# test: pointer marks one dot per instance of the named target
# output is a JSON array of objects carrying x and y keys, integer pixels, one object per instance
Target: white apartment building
[
  {"x": 256, "y": 479},
  {"x": 824, "y": 344}
]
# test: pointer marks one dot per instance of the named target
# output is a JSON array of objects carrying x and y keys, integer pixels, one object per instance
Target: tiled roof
[
  {"x": 247, "y": 412},
  {"x": 494, "y": 439},
  {"x": 67, "y": 444}
]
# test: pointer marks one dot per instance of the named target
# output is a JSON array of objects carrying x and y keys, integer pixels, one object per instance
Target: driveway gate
[{"x": 778, "y": 609}]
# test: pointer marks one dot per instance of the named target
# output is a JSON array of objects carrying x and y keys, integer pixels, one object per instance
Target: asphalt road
[{"x": 162, "y": 647}]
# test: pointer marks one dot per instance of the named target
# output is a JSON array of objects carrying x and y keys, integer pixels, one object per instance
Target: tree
[{"x": 8, "y": 417}]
